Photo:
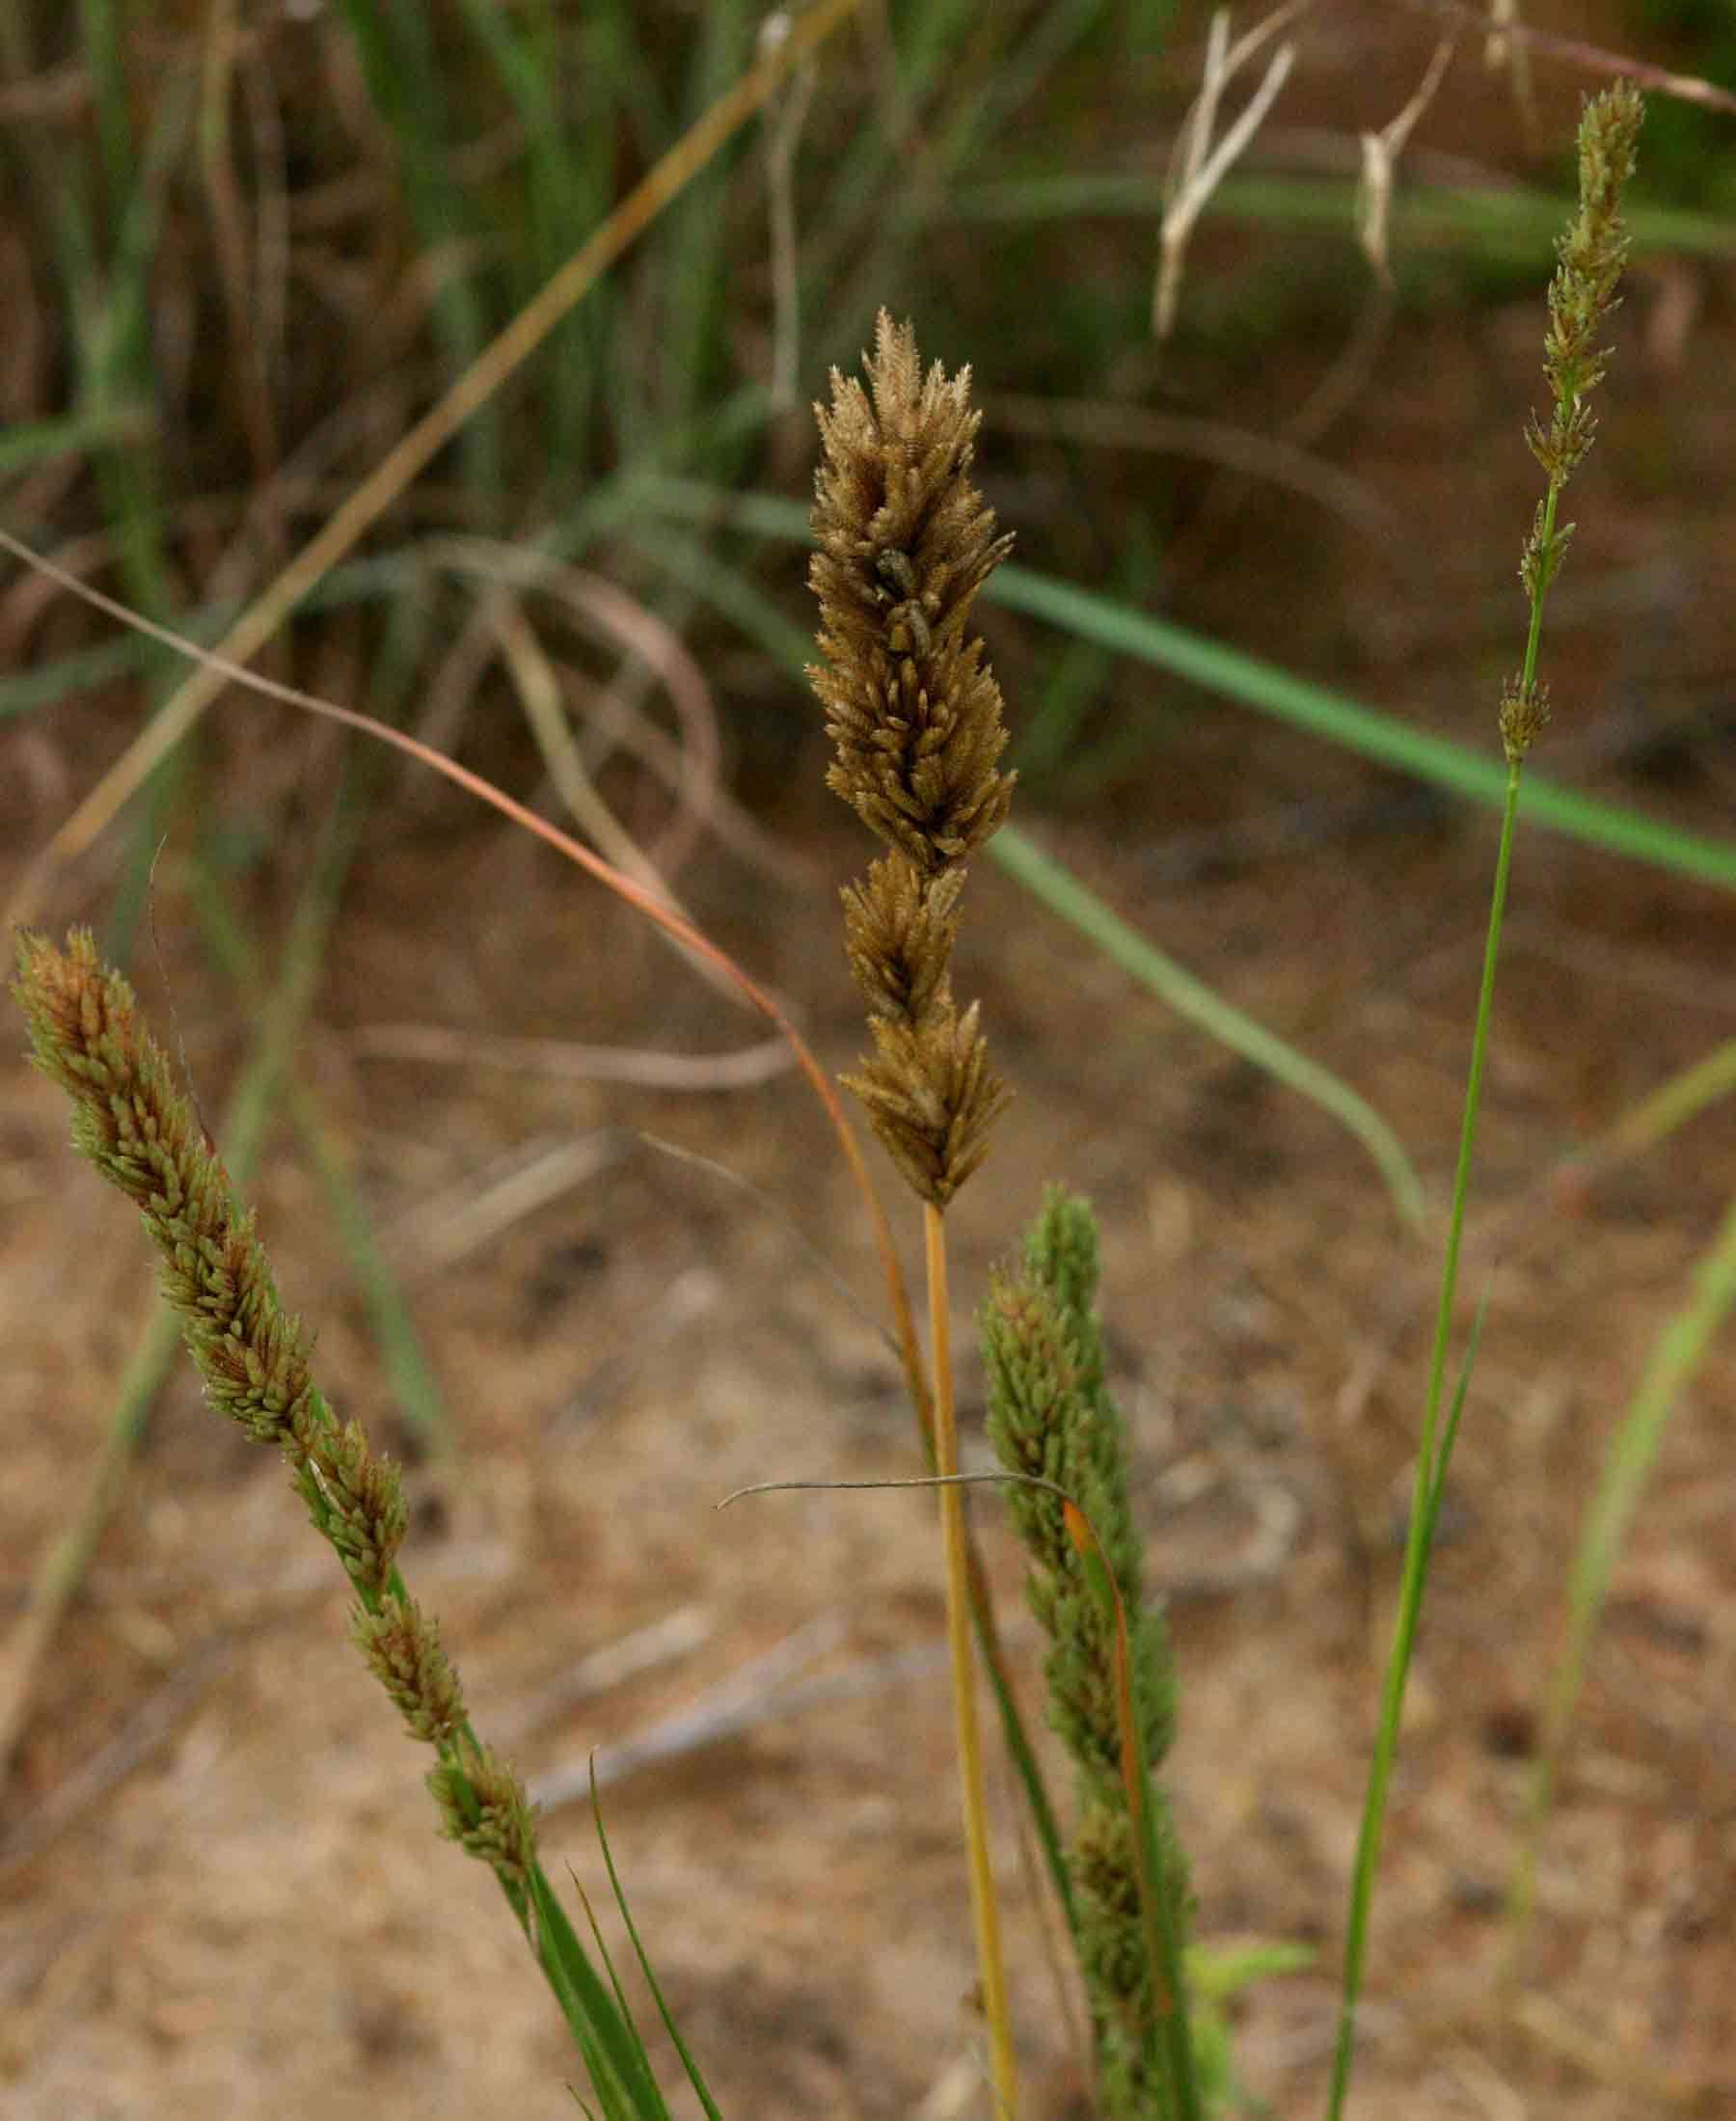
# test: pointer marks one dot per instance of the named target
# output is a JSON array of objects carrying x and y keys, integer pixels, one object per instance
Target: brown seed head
[
  {"x": 905, "y": 542},
  {"x": 932, "y": 1096},
  {"x": 898, "y": 932}
]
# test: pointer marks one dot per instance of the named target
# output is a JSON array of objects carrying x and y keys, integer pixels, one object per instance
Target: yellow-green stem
[{"x": 984, "y": 1908}]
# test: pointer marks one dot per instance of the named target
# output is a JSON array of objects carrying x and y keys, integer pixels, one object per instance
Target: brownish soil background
[{"x": 243, "y": 1909}]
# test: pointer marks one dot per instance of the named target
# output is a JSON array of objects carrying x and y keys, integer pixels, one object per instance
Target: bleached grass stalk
[
  {"x": 985, "y": 1906},
  {"x": 1581, "y": 296}
]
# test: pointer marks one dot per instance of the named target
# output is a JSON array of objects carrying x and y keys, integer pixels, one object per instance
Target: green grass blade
[
  {"x": 1323, "y": 713},
  {"x": 695, "y": 2078},
  {"x": 1676, "y": 1358},
  {"x": 1437, "y": 1487},
  {"x": 1045, "y": 748},
  {"x": 379, "y": 580},
  {"x": 1044, "y": 1820},
  {"x": 614, "y": 2055},
  {"x": 615, "y": 1980},
  {"x": 402, "y": 71},
  {"x": 694, "y": 257},
  {"x": 92, "y": 427},
  {"x": 729, "y": 590},
  {"x": 565, "y": 189},
  {"x": 1516, "y": 227},
  {"x": 1682, "y": 1098},
  {"x": 1247, "y": 679},
  {"x": 105, "y": 57},
  {"x": 1425, "y": 1497},
  {"x": 1055, "y": 887},
  {"x": 1169, "y": 2037},
  {"x": 116, "y": 367}
]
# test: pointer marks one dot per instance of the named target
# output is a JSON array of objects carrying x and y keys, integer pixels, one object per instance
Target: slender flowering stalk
[
  {"x": 144, "y": 1136},
  {"x": 905, "y": 542},
  {"x": 1589, "y": 258}
]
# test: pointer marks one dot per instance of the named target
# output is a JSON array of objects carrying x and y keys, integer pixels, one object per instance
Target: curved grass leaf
[
  {"x": 1232, "y": 675},
  {"x": 687, "y": 2060}
]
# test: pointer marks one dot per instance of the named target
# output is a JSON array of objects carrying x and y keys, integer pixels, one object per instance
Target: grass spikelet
[{"x": 1050, "y": 1414}]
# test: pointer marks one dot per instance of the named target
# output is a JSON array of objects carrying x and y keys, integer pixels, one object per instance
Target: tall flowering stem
[
  {"x": 1589, "y": 258},
  {"x": 904, "y": 543}
]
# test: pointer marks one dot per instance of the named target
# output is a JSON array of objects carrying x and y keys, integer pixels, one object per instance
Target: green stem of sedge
[
  {"x": 1427, "y": 1487},
  {"x": 1427, "y": 1475},
  {"x": 984, "y": 1907}
]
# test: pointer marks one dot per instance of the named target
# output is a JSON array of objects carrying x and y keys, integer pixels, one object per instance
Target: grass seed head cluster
[{"x": 905, "y": 541}]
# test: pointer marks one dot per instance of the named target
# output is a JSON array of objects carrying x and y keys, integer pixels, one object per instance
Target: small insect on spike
[
  {"x": 896, "y": 567},
  {"x": 909, "y": 620},
  {"x": 905, "y": 542},
  {"x": 907, "y": 625}
]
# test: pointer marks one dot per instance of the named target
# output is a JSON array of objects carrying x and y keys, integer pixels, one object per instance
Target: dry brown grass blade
[
  {"x": 536, "y": 680},
  {"x": 567, "y": 1061},
  {"x": 1111, "y": 425},
  {"x": 417, "y": 448},
  {"x": 646, "y": 642},
  {"x": 1380, "y": 152},
  {"x": 220, "y": 671},
  {"x": 1686, "y": 87},
  {"x": 145, "y": 1731}
]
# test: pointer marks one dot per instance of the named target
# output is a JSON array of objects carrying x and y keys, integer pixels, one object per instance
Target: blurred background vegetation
[{"x": 247, "y": 247}]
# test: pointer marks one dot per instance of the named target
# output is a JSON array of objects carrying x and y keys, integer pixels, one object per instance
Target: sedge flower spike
[{"x": 904, "y": 543}]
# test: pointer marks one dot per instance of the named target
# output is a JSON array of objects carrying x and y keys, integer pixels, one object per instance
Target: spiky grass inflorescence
[
  {"x": 1589, "y": 256},
  {"x": 144, "y": 1136},
  {"x": 483, "y": 1808},
  {"x": 1050, "y": 1414},
  {"x": 904, "y": 543},
  {"x": 404, "y": 1653}
]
